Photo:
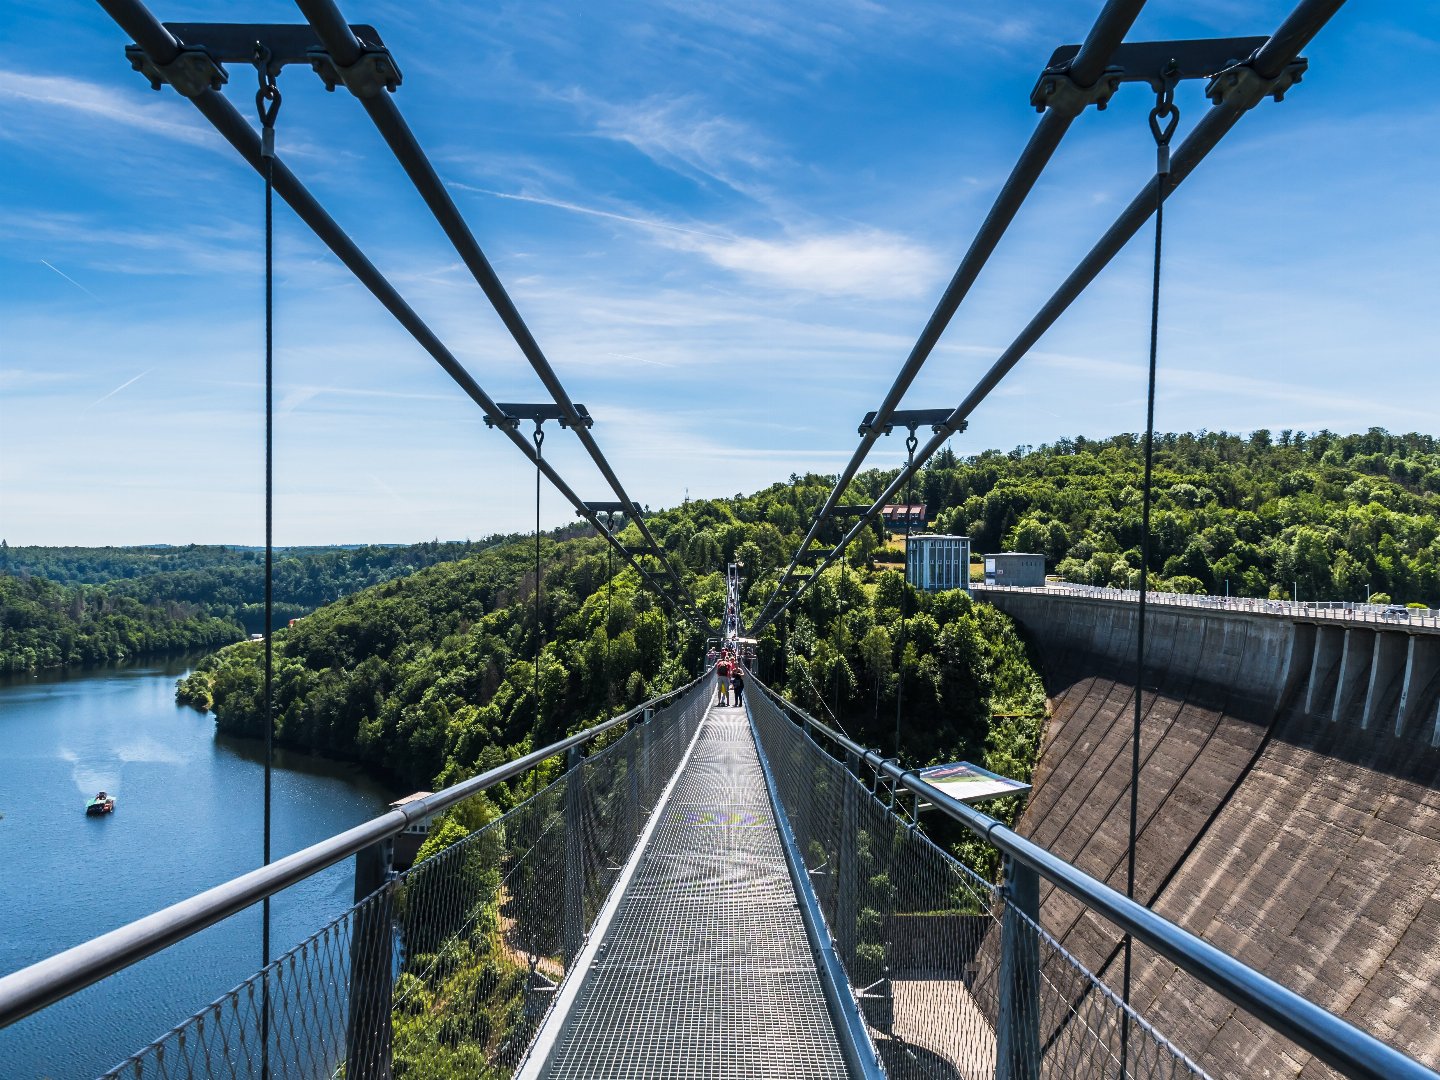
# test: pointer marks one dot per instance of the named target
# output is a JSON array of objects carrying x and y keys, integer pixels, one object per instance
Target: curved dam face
[{"x": 1289, "y": 811}]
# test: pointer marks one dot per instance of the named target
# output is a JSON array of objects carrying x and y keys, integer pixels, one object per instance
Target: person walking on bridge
[
  {"x": 737, "y": 685},
  {"x": 722, "y": 669}
]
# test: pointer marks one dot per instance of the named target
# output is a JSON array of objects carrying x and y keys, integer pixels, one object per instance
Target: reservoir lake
[{"x": 188, "y": 815}]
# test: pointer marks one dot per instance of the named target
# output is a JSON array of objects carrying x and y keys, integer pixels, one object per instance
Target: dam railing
[{"x": 1392, "y": 616}]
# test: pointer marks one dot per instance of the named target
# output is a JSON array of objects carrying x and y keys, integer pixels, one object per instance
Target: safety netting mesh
[
  {"x": 922, "y": 938},
  {"x": 448, "y": 969}
]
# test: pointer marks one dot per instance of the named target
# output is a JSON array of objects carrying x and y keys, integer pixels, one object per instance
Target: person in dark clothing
[{"x": 737, "y": 686}]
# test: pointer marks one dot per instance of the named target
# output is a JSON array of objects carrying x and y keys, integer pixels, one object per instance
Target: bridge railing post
[
  {"x": 647, "y": 736},
  {"x": 847, "y": 868},
  {"x": 574, "y": 854},
  {"x": 1017, "y": 1035},
  {"x": 632, "y": 782},
  {"x": 372, "y": 941}
]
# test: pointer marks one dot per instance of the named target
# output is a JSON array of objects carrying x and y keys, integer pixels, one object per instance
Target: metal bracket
[
  {"x": 372, "y": 72},
  {"x": 1152, "y": 62},
  {"x": 514, "y": 413},
  {"x": 192, "y": 72},
  {"x": 206, "y": 47},
  {"x": 849, "y": 510},
  {"x": 908, "y": 418},
  {"x": 1243, "y": 87}
]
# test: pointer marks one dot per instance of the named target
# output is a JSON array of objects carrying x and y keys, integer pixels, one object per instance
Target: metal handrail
[
  {"x": 1339, "y": 610},
  {"x": 1337, "y": 1042},
  {"x": 47, "y": 981}
]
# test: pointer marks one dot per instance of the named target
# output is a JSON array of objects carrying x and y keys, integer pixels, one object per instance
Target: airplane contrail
[
  {"x": 122, "y": 386},
  {"x": 72, "y": 281}
]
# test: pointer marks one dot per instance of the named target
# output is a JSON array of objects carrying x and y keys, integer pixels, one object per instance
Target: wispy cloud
[
  {"x": 855, "y": 262},
  {"x": 301, "y": 395},
  {"x": 91, "y": 100},
  {"x": 689, "y": 137},
  {"x": 590, "y": 211},
  {"x": 860, "y": 262}
]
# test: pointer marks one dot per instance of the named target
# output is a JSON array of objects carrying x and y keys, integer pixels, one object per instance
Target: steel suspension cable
[
  {"x": 911, "y": 442},
  {"x": 1165, "y": 109},
  {"x": 1109, "y": 29},
  {"x": 1269, "y": 61},
  {"x": 539, "y": 438},
  {"x": 609, "y": 588},
  {"x": 267, "y": 104},
  {"x": 162, "y": 48},
  {"x": 345, "y": 49}
]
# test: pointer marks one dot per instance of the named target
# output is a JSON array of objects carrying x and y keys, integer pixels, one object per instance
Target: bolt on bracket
[
  {"x": 205, "y": 49},
  {"x": 907, "y": 418},
  {"x": 1242, "y": 86},
  {"x": 1159, "y": 63}
]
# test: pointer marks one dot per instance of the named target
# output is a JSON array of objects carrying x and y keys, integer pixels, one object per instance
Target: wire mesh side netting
[
  {"x": 921, "y": 938},
  {"x": 448, "y": 969}
]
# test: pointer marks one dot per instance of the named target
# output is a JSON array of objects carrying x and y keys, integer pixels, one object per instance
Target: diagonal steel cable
[
  {"x": 1268, "y": 63},
  {"x": 1110, "y": 28},
  {"x": 345, "y": 49},
  {"x": 161, "y": 46}
]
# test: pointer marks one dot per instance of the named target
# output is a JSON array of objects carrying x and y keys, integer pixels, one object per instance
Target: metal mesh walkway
[{"x": 705, "y": 970}]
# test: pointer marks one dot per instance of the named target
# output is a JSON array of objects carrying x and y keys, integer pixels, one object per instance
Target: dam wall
[{"x": 1289, "y": 810}]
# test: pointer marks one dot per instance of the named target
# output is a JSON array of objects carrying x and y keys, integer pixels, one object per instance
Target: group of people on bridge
[{"x": 729, "y": 673}]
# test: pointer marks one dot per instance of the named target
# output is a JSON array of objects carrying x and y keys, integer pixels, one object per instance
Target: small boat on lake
[{"x": 100, "y": 804}]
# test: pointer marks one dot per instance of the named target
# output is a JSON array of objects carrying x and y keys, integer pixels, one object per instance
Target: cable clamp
[
  {"x": 584, "y": 418},
  {"x": 192, "y": 72},
  {"x": 1242, "y": 87},
  {"x": 1058, "y": 90},
  {"x": 504, "y": 422},
  {"x": 373, "y": 71}
]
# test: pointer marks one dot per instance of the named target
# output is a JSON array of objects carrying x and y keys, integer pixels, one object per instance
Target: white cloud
[
  {"x": 686, "y": 136},
  {"x": 863, "y": 262},
  {"x": 103, "y": 103}
]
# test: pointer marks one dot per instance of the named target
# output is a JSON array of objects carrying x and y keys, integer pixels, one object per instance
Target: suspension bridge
[{"x": 744, "y": 890}]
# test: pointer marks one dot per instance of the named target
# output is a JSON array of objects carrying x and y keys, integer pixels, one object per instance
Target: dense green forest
[
  {"x": 229, "y": 582},
  {"x": 62, "y": 606},
  {"x": 1331, "y": 514},
  {"x": 432, "y": 676},
  {"x": 45, "y": 625}
]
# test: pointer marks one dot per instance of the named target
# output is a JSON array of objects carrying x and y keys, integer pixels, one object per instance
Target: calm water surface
[{"x": 188, "y": 815}]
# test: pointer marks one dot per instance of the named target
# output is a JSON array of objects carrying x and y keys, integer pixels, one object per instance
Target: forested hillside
[
  {"x": 45, "y": 625},
  {"x": 1329, "y": 513},
  {"x": 229, "y": 582},
  {"x": 431, "y": 676}
]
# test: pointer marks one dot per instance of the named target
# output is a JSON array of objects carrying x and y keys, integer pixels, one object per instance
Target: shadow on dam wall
[{"x": 1289, "y": 812}]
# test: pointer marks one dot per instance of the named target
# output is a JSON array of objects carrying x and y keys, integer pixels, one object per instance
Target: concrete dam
[{"x": 1289, "y": 810}]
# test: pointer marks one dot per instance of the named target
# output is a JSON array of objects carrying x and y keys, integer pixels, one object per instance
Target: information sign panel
[{"x": 969, "y": 783}]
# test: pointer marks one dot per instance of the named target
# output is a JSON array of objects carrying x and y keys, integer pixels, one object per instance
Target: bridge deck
[{"x": 705, "y": 970}]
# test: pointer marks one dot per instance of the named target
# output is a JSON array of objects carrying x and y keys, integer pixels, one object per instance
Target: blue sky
[{"x": 725, "y": 223}]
